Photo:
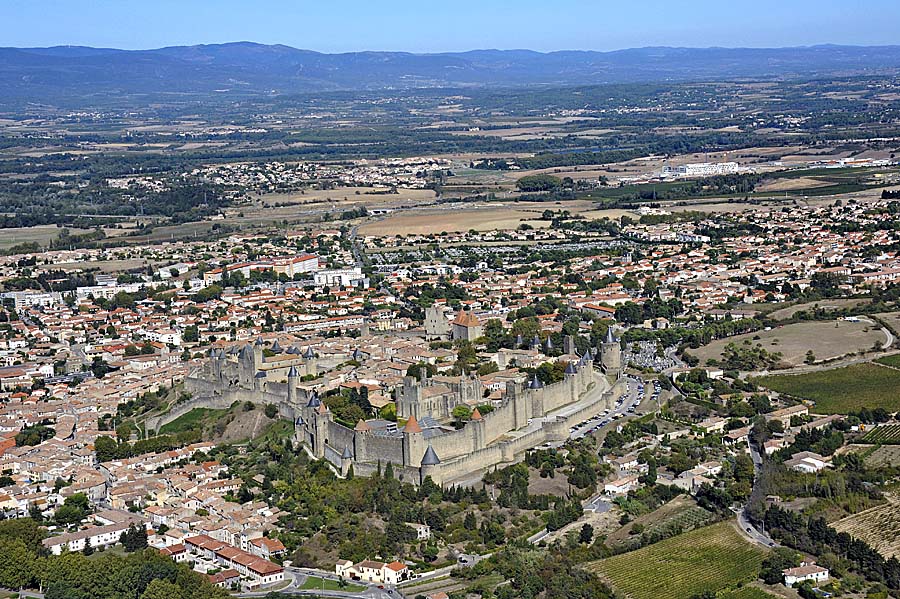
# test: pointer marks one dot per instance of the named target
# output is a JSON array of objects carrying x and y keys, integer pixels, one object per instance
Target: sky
[{"x": 441, "y": 26}]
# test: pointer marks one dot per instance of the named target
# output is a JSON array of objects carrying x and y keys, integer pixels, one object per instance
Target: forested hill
[{"x": 44, "y": 74}]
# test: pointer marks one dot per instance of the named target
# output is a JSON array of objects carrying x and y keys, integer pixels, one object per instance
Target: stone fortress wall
[{"x": 521, "y": 423}]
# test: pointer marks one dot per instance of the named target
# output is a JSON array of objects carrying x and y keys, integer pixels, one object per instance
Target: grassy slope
[{"x": 191, "y": 420}]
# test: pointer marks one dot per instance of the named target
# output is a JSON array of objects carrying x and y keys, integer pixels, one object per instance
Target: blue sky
[{"x": 435, "y": 26}]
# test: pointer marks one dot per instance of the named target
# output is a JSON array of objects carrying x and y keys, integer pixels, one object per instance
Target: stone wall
[
  {"x": 508, "y": 452},
  {"x": 339, "y": 437}
]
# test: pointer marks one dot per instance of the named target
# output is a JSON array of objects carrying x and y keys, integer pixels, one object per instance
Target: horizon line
[{"x": 439, "y": 52}]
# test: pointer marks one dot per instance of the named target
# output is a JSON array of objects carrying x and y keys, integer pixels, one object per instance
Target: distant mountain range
[{"x": 34, "y": 74}]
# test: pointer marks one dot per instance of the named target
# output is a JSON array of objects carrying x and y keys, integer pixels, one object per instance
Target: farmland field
[
  {"x": 679, "y": 515},
  {"x": 842, "y": 390},
  {"x": 706, "y": 559},
  {"x": 886, "y": 433},
  {"x": 886, "y": 455},
  {"x": 424, "y": 222},
  {"x": 878, "y": 526},
  {"x": 41, "y": 234},
  {"x": 825, "y": 339}
]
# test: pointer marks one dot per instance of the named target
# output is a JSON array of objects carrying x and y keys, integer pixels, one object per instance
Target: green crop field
[
  {"x": 707, "y": 559},
  {"x": 842, "y": 390},
  {"x": 886, "y": 433}
]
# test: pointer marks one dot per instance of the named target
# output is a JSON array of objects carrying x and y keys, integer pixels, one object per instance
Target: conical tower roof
[
  {"x": 362, "y": 426},
  {"x": 430, "y": 458},
  {"x": 347, "y": 455},
  {"x": 412, "y": 425},
  {"x": 476, "y": 415},
  {"x": 535, "y": 383}
]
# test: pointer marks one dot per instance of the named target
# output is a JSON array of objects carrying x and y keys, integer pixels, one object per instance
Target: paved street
[
  {"x": 748, "y": 529},
  {"x": 298, "y": 576}
]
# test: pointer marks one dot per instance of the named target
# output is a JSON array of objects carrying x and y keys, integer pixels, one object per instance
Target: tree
[
  {"x": 191, "y": 334},
  {"x": 586, "y": 535},
  {"x": 532, "y": 183},
  {"x": 780, "y": 559},
  {"x": 614, "y": 440},
  {"x": 743, "y": 468},
  {"x": 26, "y": 530},
  {"x": 106, "y": 448},
  {"x": 162, "y": 589},
  {"x": 68, "y": 514},
  {"x": 17, "y": 564},
  {"x": 134, "y": 539},
  {"x": 461, "y": 414}
]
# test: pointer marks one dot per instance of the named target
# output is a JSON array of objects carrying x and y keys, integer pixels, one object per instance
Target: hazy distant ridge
[{"x": 256, "y": 68}]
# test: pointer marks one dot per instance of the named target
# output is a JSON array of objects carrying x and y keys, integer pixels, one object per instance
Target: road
[
  {"x": 748, "y": 529},
  {"x": 298, "y": 577}
]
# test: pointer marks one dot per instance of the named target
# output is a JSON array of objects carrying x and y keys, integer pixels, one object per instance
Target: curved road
[{"x": 298, "y": 577}]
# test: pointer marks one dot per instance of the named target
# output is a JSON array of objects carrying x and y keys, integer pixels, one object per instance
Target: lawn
[
  {"x": 842, "y": 390},
  {"x": 892, "y": 361},
  {"x": 713, "y": 558},
  {"x": 314, "y": 583},
  {"x": 191, "y": 420}
]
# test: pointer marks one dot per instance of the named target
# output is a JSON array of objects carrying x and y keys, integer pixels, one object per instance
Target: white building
[
  {"x": 701, "y": 169},
  {"x": 806, "y": 571},
  {"x": 423, "y": 531},
  {"x": 97, "y": 536},
  {"x": 344, "y": 277},
  {"x": 28, "y": 299},
  {"x": 621, "y": 486},
  {"x": 806, "y": 461},
  {"x": 392, "y": 573}
]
